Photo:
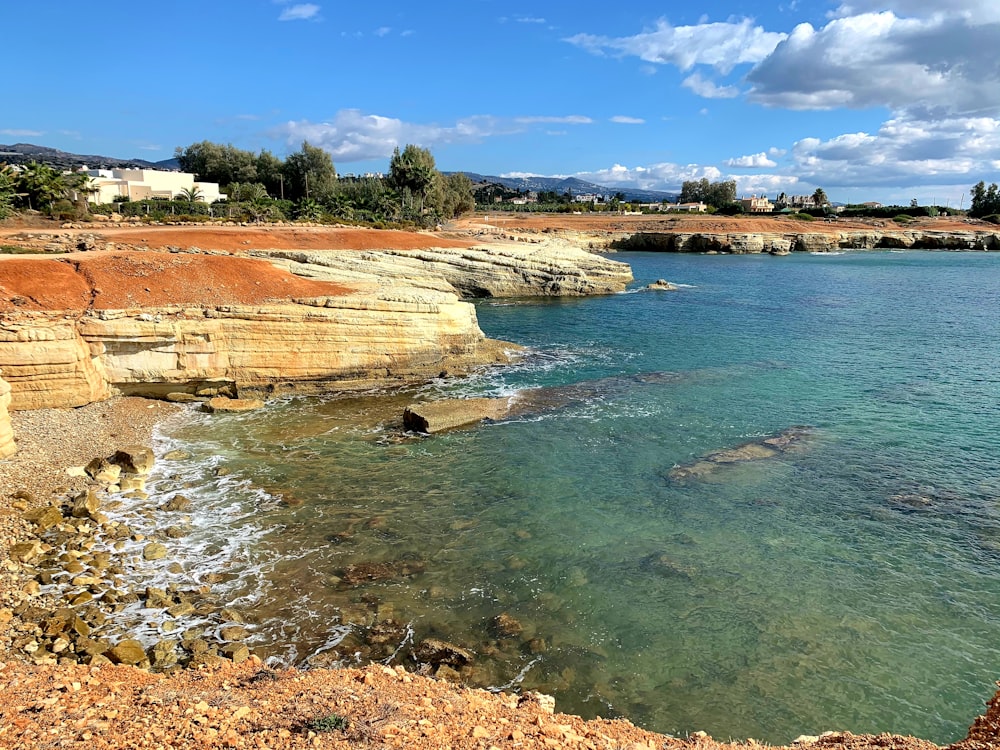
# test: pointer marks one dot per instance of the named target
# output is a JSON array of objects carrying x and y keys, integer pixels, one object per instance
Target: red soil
[
  {"x": 236, "y": 239},
  {"x": 106, "y": 281}
]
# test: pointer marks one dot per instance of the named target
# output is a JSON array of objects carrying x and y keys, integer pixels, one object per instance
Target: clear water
[{"x": 852, "y": 585}]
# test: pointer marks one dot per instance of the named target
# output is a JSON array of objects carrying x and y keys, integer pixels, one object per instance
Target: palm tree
[
  {"x": 40, "y": 184},
  {"x": 191, "y": 194}
]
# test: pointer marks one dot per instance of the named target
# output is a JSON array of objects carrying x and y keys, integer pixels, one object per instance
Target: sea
[{"x": 633, "y": 544}]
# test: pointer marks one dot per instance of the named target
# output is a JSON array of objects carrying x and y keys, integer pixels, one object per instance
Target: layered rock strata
[
  {"x": 775, "y": 243},
  {"x": 7, "y": 446},
  {"x": 145, "y": 323},
  {"x": 503, "y": 270}
]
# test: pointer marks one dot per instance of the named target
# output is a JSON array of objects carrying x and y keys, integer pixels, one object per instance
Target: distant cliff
[{"x": 779, "y": 243}]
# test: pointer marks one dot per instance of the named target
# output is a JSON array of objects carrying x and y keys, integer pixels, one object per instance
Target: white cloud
[
  {"x": 21, "y": 133},
  {"x": 941, "y": 63},
  {"x": 904, "y": 152},
  {"x": 626, "y": 120},
  {"x": 721, "y": 45},
  {"x": 707, "y": 89},
  {"x": 568, "y": 120},
  {"x": 352, "y": 135},
  {"x": 383, "y": 31},
  {"x": 663, "y": 176},
  {"x": 753, "y": 161},
  {"x": 300, "y": 12},
  {"x": 981, "y": 10},
  {"x": 530, "y": 19}
]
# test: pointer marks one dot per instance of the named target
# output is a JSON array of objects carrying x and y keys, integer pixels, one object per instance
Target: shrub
[
  {"x": 802, "y": 217},
  {"x": 992, "y": 218},
  {"x": 902, "y": 219},
  {"x": 330, "y": 723}
]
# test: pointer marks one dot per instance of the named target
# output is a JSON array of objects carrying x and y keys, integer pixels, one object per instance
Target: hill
[
  {"x": 23, "y": 153},
  {"x": 573, "y": 184}
]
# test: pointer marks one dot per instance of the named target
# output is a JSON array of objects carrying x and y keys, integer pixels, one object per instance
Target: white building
[{"x": 141, "y": 184}]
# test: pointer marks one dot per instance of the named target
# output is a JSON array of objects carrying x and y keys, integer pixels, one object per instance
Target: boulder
[
  {"x": 44, "y": 518},
  {"x": 436, "y": 652},
  {"x": 662, "y": 285},
  {"x": 438, "y": 416},
  {"x": 176, "y": 503},
  {"x": 134, "y": 459},
  {"x": 128, "y": 651},
  {"x": 154, "y": 551}
]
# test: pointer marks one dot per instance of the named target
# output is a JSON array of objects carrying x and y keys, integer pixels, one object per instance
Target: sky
[{"x": 871, "y": 100}]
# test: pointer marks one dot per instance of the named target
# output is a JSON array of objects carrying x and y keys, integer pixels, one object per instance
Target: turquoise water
[{"x": 853, "y": 584}]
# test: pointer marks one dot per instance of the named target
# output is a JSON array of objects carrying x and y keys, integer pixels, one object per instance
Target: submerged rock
[
  {"x": 436, "y": 652},
  {"x": 234, "y": 405},
  {"x": 790, "y": 440}
]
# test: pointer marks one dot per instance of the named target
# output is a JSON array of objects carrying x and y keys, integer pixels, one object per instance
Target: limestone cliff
[
  {"x": 548, "y": 268},
  {"x": 76, "y": 330},
  {"x": 778, "y": 243},
  {"x": 7, "y": 447}
]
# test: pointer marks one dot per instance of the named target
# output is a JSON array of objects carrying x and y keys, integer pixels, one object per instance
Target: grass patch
[
  {"x": 903, "y": 219},
  {"x": 15, "y": 250},
  {"x": 803, "y": 217}
]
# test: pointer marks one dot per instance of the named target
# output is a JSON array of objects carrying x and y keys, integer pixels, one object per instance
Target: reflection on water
[{"x": 852, "y": 583}]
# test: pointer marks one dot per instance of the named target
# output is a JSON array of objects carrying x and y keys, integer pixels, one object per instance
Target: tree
[
  {"x": 39, "y": 185},
  {"x": 820, "y": 199},
  {"x": 309, "y": 173},
  {"x": 7, "y": 191},
  {"x": 717, "y": 194},
  {"x": 213, "y": 162},
  {"x": 985, "y": 201},
  {"x": 413, "y": 172},
  {"x": 269, "y": 174},
  {"x": 191, "y": 194}
]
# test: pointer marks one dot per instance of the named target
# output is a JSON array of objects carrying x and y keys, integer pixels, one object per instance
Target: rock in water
[
  {"x": 433, "y": 651},
  {"x": 438, "y": 416},
  {"x": 662, "y": 285},
  {"x": 223, "y": 404},
  {"x": 134, "y": 460}
]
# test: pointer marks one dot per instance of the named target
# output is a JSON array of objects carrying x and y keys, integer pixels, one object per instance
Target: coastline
[
  {"x": 223, "y": 704},
  {"x": 247, "y": 704}
]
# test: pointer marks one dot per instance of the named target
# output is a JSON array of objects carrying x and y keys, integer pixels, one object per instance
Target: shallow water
[{"x": 851, "y": 584}]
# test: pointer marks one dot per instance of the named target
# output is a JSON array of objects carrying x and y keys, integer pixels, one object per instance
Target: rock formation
[
  {"x": 780, "y": 244},
  {"x": 510, "y": 270},
  {"x": 78, "y": 330},
  {"x": 7, "y": 446}
]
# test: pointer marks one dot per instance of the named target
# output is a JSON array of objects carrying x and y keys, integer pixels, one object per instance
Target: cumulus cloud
[
  {"x": 352, "y": 135},
  {"x": 753, "y": 161},
  {"x": 721, "y": 45},
  {"x": 944, "y": 63},
  {"x": 626, "y": 120},
  {"x": 903, "y": 152},
  {"x": 708, "y": 89},
  {"x": 663, "y": 176},
  {"x": 299, "y": 12},
  {"x": 983, "y": 10}
]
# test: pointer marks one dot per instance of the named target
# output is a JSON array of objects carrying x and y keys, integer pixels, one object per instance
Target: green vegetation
[
  {"x": 43, "y": 188},
  {"x": 903, "y": 219},
  {"x": 985, "y": 200},
  {"x": 716, "y": 194},
  {"x": 262, "y": 187},
  {"x": 330, "y": 723},
  {"x": 803, "y": 217}
]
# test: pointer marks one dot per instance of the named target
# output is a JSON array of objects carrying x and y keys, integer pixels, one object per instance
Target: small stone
[{"x": 25, "y": 551}]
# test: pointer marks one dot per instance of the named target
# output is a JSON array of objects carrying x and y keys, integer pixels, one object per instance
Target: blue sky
[{"x": 870, "y": 100}]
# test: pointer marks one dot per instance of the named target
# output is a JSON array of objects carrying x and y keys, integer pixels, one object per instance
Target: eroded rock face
[
  {"x": 7, "y": 445},
  {"x": 813, "y": 242},
  {"x": 548, "y": 269}
]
